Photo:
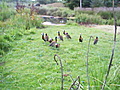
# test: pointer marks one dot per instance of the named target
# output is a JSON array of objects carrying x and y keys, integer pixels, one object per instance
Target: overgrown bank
[
  {"x": 14, "y": 25},
  {"x": 92, "y": 17}
]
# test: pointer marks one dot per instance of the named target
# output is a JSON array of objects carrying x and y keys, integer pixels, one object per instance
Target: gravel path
[
  {"x": 49, "y": 23},
  {"x": 107, "y": 28}
]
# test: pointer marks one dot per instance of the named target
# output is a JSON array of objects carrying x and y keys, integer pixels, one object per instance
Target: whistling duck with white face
[
  {"x": 59, "y": 36},
  {"x": 64, "y": 32},
  {"x": 68, "y": 36},
  {"x": 80, "y": 38},
  {"x": 43, "y": 36},
  {"x": 57, "y": 45},
  {"x": 95, "y": 41},
  {"x": 46, "y": 37},
  {"x": 53, "y": 42},
  {"x": 50, "y": 40}
]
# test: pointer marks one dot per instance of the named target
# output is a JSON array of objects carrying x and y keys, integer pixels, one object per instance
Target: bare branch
[
  {"x": 78, "y": 85},
  {"x": 74, "y": 82},
  {"x": 61, "y": 69},
  {"x": 113, "y": 49}
]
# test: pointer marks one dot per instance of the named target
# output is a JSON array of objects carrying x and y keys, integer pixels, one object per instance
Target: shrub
[
  {"x": 62, "y": 12},
  {"x": 84, "y": 12},
  {"x": 42, "y": 11},
  {"x": 70, "y": 22},
  {"x": 118, "y": 22},
  {"x": 4, "y": 45},
  {"x": 117, "y": 14},
  {"x": 106, "y": 14},
  {"x": 5, "y": 12},
  {"x": 110, "y": 21},
  {"x": 90, "y": 19},
  {"x": 14, "y": 27}
]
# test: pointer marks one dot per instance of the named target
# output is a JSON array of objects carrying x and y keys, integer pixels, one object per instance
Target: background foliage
[{"x": 90, "y": 3}]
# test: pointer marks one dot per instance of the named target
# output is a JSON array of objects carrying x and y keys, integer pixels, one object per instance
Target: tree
[
  {"x": 86, "y": 3},
  {"x": 97, "y": 3},
  {"x": 89, "y": 3},
  {"x": 72, "y": 3},
  {"x": 46, "y": 1}
]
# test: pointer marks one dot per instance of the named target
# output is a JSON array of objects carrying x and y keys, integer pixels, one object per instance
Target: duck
[
  {"x": 50, "y": 40},
  {"x": 43, "y": 36},
  {"x": 53, "y": 42},
  {"x": 59, "y": 36},
  {"x": 64, "y": 32},
  {"x": 57, "y": 45},
  {"x": 68, "y": 36},
  {"x": 46, "y": 37},
  {"x": 80, "y": 38},
  {"x": 95, "y": 41}
]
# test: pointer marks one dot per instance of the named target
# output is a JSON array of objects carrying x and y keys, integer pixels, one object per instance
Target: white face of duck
[{"x": 42, "y": 33}]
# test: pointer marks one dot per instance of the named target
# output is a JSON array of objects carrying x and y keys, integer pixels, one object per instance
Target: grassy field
[{"x": 30, "y": 64}]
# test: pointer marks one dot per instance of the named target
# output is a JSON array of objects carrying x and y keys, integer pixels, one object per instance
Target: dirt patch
[
  {"x": 107, "y": 28},
  {"x": 56, "y": 5}
]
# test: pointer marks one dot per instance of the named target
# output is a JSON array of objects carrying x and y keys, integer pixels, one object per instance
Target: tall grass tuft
[{"x": 5, "y": 11}]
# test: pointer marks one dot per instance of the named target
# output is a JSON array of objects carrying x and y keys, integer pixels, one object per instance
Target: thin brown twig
[
  {"x": 78, "y": 83},
  {"x": 74, "y": 82},
  {"x": 61, "y": 69},
  {"x": 113, "y": 49}
]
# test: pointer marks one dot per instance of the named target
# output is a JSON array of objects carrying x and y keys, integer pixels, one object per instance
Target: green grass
[{"x": 30, "y": 64}]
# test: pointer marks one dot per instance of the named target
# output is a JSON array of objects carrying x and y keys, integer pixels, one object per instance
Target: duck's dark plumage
[
  {"x": 80, "y": 38},
  {"x": 43, "y": 36},
  {"x": 68, "y": 36},
  {"x": 95, "y": 41}
]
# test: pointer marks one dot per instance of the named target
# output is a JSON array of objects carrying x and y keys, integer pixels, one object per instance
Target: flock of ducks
[{"x": 53, "y": 43}]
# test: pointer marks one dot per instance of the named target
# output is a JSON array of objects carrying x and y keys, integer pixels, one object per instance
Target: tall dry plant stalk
[
  {"x": 61, "y": 66},
  {"x": 87, "y": 64},
  {"x": 113, "y": 49}
]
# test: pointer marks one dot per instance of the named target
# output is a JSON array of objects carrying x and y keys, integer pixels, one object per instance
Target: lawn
[{"x": 30, "y": 64}]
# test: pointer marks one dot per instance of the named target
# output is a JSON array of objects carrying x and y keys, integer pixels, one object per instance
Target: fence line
[{"x": 98, "y": 9}]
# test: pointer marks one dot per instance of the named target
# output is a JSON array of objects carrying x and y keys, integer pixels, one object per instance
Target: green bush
[
  {"x": 6, "y": 12},
  {"x": 85, "y": 18},
  {"x": 62, "y": 12},
  {"x": 110, "y": 21},
  {"x": 42, "y": 11},
  {"x": 117, "y": 14},
  {"x": 70, "y": 22},
  {"x": 106, "y": 14},
  {"x": 84, "y": 12},
  {"x": 14, "y": 27},
  {"x": 118, "y": 22},
  {"x": 4, "y": 45}
]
